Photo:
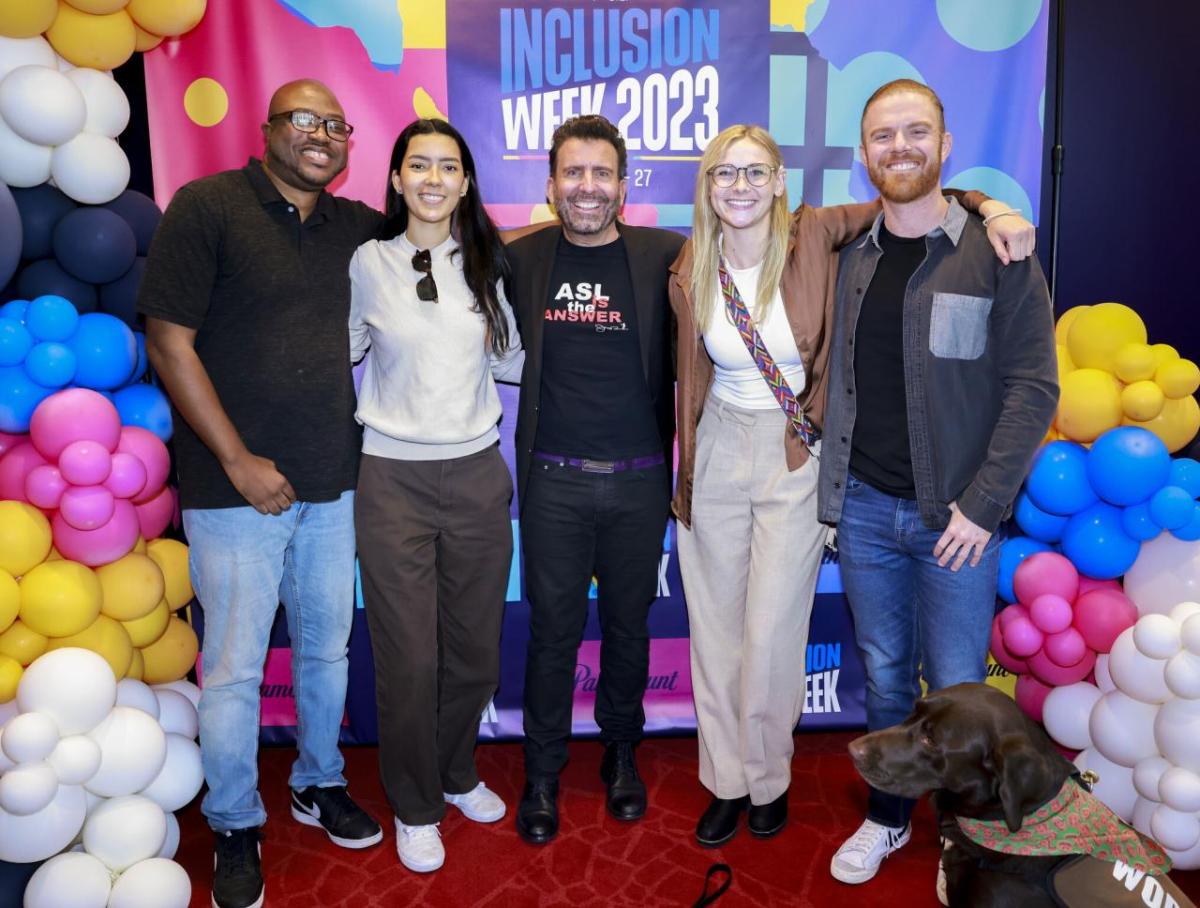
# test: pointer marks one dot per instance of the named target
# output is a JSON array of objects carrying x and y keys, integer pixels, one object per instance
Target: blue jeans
[
  {"x": 243, "y": 564},
  {"x": 911, "y": 617}
]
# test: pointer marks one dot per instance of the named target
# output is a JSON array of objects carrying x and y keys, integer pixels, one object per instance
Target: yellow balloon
[
  {"x": 145, "y": 630},
  {"x": 1176, "y": 425},
  {"x": 1163, "y": 353},
  {"x": 26, "y": 18},
  {"x": 171, "y": 656},
  {"x": 104, "y": 637},
  {"x": 60, "y": 598},
  {"x": 1064, "y": 361},
  {"x": 140, "y": 545},
  {"x": 1099, "y": 332},
  {"x": 1135, "y": 362},
  {"x": 22, "y": 643},
  {"x": 145, "y": 42},
  {"x": 132, "y": 587},
  {"x": 172, "y": 558},
  {"x": 97, "y": 42},
  {"x": 1089, "y": 404},
  {"x": 1065, "y": 321},
  {"x": 167, "y": 17},
  {"x": 98, "y": 7},
  {"x": 24, "y": 537},
  {"x": 1142, "y": 400},
  {"x": 10, "y": 676},
  {"x": 55, "y": 555},
  {"x": 137, "y": 666},
  {"x": 10, "y": 599},
  {"x": 1178, "y": 378}
]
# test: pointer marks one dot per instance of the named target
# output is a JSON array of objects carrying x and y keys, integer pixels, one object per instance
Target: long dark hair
[{"x": 483, "y": 259}]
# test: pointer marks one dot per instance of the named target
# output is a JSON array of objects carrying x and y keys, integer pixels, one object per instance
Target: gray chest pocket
[{"x": 958, "y": 325}]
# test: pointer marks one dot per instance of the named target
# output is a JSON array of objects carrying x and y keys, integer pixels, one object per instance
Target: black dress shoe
[
  {"x": 719, "y": 822},
  {"x": 626, "y": 798},
  {"x": 537, "y": 814},
  {"x": 767, "y": 819}
]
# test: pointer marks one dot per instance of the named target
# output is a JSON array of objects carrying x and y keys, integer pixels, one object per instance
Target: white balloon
[
  {"x": 29, "y": 737},
  {"x": 75, "y": 759},
  {"x": 1177, "y": 733},
  {"x": 1146, "y": 776},
  {"x": 1180, "y": 613},
  {"x": 1136, "y": 674},
  {"x": 107, "y": 106},
  {"x": 1104, "y": 679},
  {"x": 45, "y": 833},
  {"x": 63, "y": 64},
  {"x": 1143, "y": 810},
  {"x": 153, "y": 883},
  {"x": 1180, "y": 788},
  {"x": 90, "y": 169},
  {"x": 122, "y": 831},
  {"x": 183, "y": 686},
  {"x": 177, "y": 715},
  {"x": 131, "y": 692},
  {"x": 22, "y": 164},
  {"x": 1166, "y": 572},
  {"x": 181, "y": 776},
  {"x": 70, "y": 880},
  {"x": 1156, "y": 636},
  {"x": 1115, "y": 785},
  {"x": 1175, "y": 830},
  {"x": 5, "y": 763},
  {"x": 1189, "y": 634},
  {"x": 42, "y": 105},
  {"x": 1183, "y": 675},
  {"x": 1066, "y": 712},
  {"x": 27, "y": 788},
  {"x": 132, "y": 750},
  {"x": 1184, "y": 860},
  {"x": 8, "y": 709},
  {"x": 171, "y": 842},
  {"x": 1122, "y": 728},
  {"x": 73, "y": 686},
  {"x": 16, "y": 52}
]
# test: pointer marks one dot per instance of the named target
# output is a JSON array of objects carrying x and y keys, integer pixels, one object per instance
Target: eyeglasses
[
  {"x": 426, "y": 288},
  {"x": 309, "y": 122},
  {"x": 726, "y": 175}
]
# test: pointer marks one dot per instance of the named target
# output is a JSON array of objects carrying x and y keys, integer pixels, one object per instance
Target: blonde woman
[{"x": 755, "y": 276}]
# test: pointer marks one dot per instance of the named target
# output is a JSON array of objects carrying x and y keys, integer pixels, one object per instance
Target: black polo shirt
[{"x": 269, "y": 297}]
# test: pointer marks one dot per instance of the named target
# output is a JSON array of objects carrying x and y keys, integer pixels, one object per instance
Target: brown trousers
[{"x": 434, "y": 546}]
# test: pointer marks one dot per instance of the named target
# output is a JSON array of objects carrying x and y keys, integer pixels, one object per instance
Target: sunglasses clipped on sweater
[{"x": 426, "y": 288}]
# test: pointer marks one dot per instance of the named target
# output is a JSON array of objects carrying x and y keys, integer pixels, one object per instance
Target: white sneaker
[
  {"x": 860, "y": 855},
  {"x": 480, "y": 804},
  {"x": 941, "y": 889},
  {"x": 420, "y": 847}
]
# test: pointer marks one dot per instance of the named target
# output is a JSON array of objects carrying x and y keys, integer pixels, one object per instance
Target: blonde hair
[{"x": 706, "y": 228}]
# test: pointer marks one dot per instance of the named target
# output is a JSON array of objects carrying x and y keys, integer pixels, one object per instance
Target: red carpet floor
[{"x": 596, "y": 860}]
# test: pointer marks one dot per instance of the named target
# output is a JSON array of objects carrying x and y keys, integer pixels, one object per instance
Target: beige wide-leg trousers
[{"x": 749, "y": 567}]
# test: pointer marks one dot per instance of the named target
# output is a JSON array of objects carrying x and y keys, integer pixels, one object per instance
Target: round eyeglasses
[
  {"x": 309, "y": 122},
  {"x": 726, "y": 175}
]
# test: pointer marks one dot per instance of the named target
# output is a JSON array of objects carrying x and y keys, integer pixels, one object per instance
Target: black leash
[{"x": 706, "y": 897}]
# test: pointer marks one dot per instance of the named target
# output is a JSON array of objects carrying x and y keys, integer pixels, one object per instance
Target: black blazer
[{"x": 650, "y": 251}]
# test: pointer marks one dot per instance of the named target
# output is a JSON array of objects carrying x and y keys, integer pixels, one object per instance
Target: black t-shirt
[
  {"x": 879, "y": 450},
  {"x": 269, "y": 297},
  {"x": 594, "y": 400}
]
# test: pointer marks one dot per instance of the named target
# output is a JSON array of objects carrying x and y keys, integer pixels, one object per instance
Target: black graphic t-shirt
[{"x": 594, "y": 399}]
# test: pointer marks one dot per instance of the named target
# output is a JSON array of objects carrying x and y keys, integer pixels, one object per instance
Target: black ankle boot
[
  {"x": 719, "y": 822},
  {"x": 626, "y": 798},
  {"x": 537, "y": 814},
  {"x": 767, "y": 819}
]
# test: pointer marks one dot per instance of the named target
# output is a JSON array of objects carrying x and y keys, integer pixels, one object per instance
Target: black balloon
[
  {"x": 47, "y": 276},
  {"x": 94, "y": 244},
  {"x": 41, "y": 207},
  {"x": 120, "y": 297},
  {"x": 140, "y": 212}
]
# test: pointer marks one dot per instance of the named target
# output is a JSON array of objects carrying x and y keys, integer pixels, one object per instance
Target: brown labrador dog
[{"x": 981, "y": 757}]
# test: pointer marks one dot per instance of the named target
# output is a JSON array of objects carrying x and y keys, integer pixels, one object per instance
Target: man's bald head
[{"x": 308, "y": 94}]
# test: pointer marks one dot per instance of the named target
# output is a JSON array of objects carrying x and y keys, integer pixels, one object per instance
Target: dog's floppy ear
[{"x": 1020, "y": 772}]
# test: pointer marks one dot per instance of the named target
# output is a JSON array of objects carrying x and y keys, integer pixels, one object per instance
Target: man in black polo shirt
[
  {"x": 594, "y": 435},
  {"x": 247, "y": 298}
]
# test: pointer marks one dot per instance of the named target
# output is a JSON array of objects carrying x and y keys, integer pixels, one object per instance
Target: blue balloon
[
  {"x": 1185, "y": 473},
  {"x": 140, "y": 213},
  {"x": 120, "y": 297},
  {"x": 51, "y": 364},
  {"x": 1038, "y": 523},
  {"x": 15, "y": 309},
  {"x": 1171, "y": 507},
  {"x": 46, "y": 277},
  {"x": 15, "y": 342},
  {"x": 1058, "y": 481},
  {"x": 19, "y": 397},
  {"x": 41, "y": 207},
  {"x": 1137, "y": 522},
  {"x": 1096, "y": 542},
  {"x": 1012, "y": 552},
  {"x": 143, "y": 361},
  {"x": 105, "y": 352},
  {"x": 51, "y": 318},
  {"x": 1128, "y": 465},
  {"x": 146, "y": 406},
  {"x": 1190, "y": 531}
]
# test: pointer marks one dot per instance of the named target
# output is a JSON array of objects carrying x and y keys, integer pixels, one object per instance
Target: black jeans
[{"x": 574, "y": 524}]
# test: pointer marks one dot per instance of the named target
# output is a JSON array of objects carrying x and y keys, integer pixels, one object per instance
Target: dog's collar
[{"x": 1074, "y": 821}]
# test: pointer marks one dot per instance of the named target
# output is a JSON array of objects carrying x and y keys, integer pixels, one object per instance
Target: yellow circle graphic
[{"x": 206, "y": 102}]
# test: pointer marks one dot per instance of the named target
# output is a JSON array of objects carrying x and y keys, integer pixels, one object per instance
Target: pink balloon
[
  {"x": 1049, "y": 672},
  {"x": 149, "y": 449},
  {"x": 76, "y": 414},
  {"x": 128, "y": 476},
  {"x": 1022, "y": 639},
  {"x": 1030, "y": 695},
  {"x": 1065, "y": 648},
  {"x": 1050, "y": 614},
  {"x": 85, "y": 463},
  {"x": 1087, "y": 584},
  {"x": 15, "y": 466},
  {"x": 87, "y": 507},
  {"x": 8, "y": 442},
  {"x": 102, "y": 545},
  {"x": 154, "y": 516},
  {"x": 44, "y": 486},
  {"x": 1011, "y": 612},
  {"x": 1003, "y": 656},
  {"x": 1045, "y": 572},
  {"x": 1101, "y": 615}
]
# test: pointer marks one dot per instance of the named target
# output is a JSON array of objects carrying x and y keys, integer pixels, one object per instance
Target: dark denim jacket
[{"x": 980, "y": 372}]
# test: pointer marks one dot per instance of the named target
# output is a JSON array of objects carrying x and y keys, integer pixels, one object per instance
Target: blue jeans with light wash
[
  {"x": 243, "y": 564},
  {"x": 911, "y": 617}
]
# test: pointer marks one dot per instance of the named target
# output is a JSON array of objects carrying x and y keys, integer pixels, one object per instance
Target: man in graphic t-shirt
[{"x": 594, "y": 436}]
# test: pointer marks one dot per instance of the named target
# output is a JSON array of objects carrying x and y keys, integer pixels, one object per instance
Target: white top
[
  {"x": 736, "y": 378},
  {"x": 428, "y": 391}
]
